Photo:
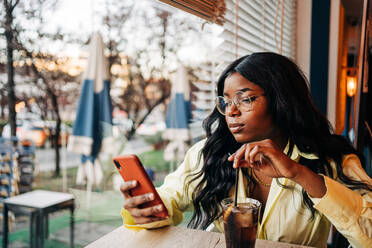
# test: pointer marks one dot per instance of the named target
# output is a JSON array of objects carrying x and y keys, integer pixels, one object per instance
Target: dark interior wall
[{"x": 319, "y": 53}]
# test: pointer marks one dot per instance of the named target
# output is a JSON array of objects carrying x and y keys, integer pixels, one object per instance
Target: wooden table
[
  {"x": 38, "y": 204},
  {"x": 172, "y": 236}
]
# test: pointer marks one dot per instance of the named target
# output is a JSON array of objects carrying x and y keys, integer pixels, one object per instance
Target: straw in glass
[{"x": 236, "y": 187}]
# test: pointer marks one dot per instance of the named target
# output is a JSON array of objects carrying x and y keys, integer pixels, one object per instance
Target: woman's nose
[{"x": 232, "y": 110}]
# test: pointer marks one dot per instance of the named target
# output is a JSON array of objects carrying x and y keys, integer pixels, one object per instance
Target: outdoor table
[
  {"x": 172, "y": 236},
  {"x": 38, "y": 204}
]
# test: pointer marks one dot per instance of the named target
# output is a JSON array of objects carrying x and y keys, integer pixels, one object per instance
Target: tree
[
  {"x": 50, "y": 80},
  {"x": 150, "y": 37},
  {"x": 8, "y": 26},
  {"x": 27, "y": 35},
  {"x": 138, "y": 100},
  {"x": 3, "y": 93}
]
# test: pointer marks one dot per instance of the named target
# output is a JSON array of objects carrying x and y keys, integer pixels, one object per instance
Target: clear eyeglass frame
[{"x": 240, "y": 100}]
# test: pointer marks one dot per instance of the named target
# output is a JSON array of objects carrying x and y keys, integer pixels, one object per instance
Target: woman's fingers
[
  {"x": 134, "y": 202},
  {"x": 145, "y": 212},
  {"x": 146, "y": 215},
  {"x": 251, "y": 152},
  {"x": 131, "y": 203},
  {"x": 246, "y": 155},
  {"x": 256, "y": 155},
  {"x": 126, "y": 186},
  {"x": 239, "y": 155},
  {"x": 264, "y": 156}
]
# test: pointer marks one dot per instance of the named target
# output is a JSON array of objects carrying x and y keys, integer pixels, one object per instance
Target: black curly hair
[{"x": 293, "y": 112}]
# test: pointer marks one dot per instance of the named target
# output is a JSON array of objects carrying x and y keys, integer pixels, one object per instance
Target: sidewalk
[
  {"x": 136, "y": 146},
  {"x": 91, "y": 223}
]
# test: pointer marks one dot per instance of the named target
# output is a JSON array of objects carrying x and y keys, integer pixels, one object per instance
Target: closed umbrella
[
  {"x": 93, "y": 123},
  {"x": 178, "y": 118}
]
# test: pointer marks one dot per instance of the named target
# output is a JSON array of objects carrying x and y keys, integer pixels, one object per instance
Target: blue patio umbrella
[
  {"x": 93, "y": 123},
  {"x": 178, "y": 117}
]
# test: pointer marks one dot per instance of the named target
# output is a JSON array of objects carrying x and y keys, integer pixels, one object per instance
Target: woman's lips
[{"x": 236, "y": 128}]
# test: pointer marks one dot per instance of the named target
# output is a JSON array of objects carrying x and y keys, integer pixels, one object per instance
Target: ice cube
[{"x": 245, "y": 219}]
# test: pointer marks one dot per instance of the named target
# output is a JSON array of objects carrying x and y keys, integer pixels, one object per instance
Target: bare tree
[
  {"x": 149, "y": 64},
  {"x": 137, "y": 101},
  {"x": 114, "y": 23},
  {"x": 8, "y": 25},
  {"x": 50, "y": 81},
  {"x": 28, "y": 38}
]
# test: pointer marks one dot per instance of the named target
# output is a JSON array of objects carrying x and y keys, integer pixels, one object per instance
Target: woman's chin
[{"x": 243, "y": 139}]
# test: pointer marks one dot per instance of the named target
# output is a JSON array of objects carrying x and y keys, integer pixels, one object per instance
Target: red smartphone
[{"x": 130, "y": 168}]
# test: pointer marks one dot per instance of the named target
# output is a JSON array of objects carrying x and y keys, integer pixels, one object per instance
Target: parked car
[
  {"x": 39, "y": 134},
  {"x": 36, "y": 134},
  {"x": 27, "y": 131}
]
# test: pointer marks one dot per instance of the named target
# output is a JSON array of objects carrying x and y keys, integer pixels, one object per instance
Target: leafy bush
[
  {"x": 155, "y": 140},
  {"x": 154, "y": 159}
]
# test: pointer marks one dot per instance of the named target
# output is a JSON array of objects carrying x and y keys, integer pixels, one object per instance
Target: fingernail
[
  {"x": 150, "y": 196},
  {"x": 134, "y": 183},
  {"x": 159, "y": 207}
]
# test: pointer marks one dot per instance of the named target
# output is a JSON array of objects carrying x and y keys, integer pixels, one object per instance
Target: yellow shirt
[{"x": 284, "y": 219}]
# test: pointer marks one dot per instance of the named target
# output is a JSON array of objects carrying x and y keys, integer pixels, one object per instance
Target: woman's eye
[{"x": 253, "y": 98}]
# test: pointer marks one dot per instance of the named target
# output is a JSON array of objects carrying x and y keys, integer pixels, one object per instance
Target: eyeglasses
[{"x": 241, "y": 100}]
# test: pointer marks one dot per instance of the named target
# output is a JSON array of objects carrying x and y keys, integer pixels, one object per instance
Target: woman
[{"x": 306, "y": 177}]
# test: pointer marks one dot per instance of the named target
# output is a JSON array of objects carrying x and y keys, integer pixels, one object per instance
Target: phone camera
[{"x": 117, "y": 164}]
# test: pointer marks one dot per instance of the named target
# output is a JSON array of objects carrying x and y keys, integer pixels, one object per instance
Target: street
[{"x": 45, "y": 157}]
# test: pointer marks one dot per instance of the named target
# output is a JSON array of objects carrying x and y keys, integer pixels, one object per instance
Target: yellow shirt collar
[{"x": 296, "y": 153}]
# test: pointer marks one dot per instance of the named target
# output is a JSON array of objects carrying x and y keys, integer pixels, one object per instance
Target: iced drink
[{"x": 240, "y": 222}]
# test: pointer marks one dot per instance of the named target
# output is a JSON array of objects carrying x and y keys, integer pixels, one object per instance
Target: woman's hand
[
  {"x": 140, "y": 215},
  {"x": 266, "y": 157}
]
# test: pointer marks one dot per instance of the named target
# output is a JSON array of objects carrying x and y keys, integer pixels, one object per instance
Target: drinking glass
[{"x": 240, "y": 222}]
